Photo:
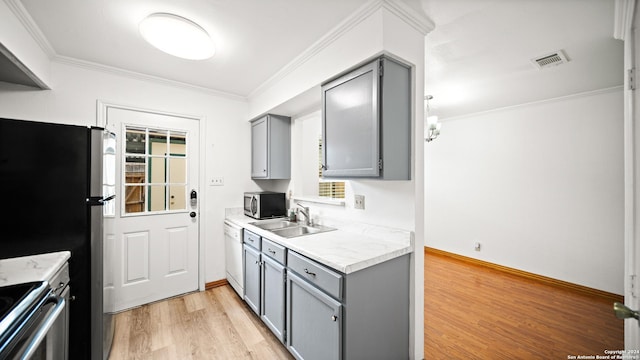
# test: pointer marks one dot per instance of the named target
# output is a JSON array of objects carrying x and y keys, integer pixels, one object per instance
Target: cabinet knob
[{"x": 334, "y": 318}]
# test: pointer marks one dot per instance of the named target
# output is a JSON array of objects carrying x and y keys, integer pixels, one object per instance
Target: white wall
[
  {"x": 540, "y": 186},
  {"x": 227, "y": 138}
]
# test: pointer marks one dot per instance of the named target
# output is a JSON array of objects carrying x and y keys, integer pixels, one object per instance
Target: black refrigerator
[{"x": 51, "y": 178}]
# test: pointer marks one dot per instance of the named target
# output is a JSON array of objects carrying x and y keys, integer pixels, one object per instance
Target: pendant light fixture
[
  {"x": 177, "y": 36},
  {"x": 432, "y": 130}
]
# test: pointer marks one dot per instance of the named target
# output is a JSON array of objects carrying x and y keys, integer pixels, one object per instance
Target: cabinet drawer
[
  {"x": 252, "y": 239},
  {"x": 274, "y": 250},
  {"x": 319, "y": 275}
]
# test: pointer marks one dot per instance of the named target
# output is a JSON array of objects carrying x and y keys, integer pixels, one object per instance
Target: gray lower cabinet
[
  {"x": 252, "y": 267},
  {"x": 273, "y": 291},
  {"x": 360, "y": 315},
  {"x": 319, "y": 313},
  {"x": 314, "y": 321}
]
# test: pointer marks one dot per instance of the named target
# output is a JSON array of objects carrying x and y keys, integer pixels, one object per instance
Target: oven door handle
[{"x": 46, "y": 325}]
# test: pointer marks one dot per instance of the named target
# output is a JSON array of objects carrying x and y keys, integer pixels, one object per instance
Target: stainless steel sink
[
  {"x": 301, "y": 230},
  {"x": 274, "y": 224},
  {"x": 290, "y": 229}
]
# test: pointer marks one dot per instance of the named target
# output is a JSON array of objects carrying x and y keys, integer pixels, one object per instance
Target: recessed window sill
[{"x": 320, "y": 200}]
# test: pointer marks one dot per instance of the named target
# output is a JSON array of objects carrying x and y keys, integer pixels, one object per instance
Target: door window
[{"x": 155, "y": 170}]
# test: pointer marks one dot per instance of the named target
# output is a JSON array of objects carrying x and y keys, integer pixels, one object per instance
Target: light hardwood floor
[
  {"x": 475, "y": 312},
  {"x": 214, "y": 324},
  {"x": 471, "y": 312}
]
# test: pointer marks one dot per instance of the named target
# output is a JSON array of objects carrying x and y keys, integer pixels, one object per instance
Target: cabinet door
[
  {"x": 259, "y": 148},
  {"x": 314, "y": 322},
  {"x": 273, "y": 303},
  {"x": 252, "y": 268},
  {"x": 350, "y": 124}
]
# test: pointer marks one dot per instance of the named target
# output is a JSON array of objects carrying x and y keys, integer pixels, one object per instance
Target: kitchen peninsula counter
[{"x": 349, "y": 248}]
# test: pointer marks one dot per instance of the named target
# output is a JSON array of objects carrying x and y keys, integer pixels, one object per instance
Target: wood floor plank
[
  {"x": 140, "y": 333},
  {"x": 160, "y": 325},
  {"x": 228, "y": 342},
  {"x": 120, "y": 348}
]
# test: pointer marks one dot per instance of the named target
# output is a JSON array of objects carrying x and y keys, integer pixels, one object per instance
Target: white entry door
[{"x": 156, "y": 240}]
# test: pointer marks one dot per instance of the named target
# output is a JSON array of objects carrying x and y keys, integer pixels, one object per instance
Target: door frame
[
  {"x": 624, "y": 30},
  {"x": 101, "y": 121}
]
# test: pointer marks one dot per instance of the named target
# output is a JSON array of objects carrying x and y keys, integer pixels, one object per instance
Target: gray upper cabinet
[
  {"x": 271, "y": 147},
  {"x": 366, "y": 122}
]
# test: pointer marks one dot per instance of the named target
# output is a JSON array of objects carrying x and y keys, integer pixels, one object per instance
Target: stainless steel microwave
[{"x": 265, "y": 204}]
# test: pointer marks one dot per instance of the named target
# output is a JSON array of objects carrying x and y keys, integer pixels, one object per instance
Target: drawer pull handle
[
  {"x": 271, "y": 251},
  {"x": 334, "y": 318},
  {"x": 309, "y": 272}
]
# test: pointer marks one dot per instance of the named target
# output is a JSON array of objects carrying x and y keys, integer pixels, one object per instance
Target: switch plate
[
  {"x": 216, "y": 181},
  {"x": 358, "y": 202}
]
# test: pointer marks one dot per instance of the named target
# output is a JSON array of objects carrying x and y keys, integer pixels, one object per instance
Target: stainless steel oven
[{"x": 34, "y": 322}]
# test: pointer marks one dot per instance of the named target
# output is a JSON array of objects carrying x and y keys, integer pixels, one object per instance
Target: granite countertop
[
  {"x": 349, "y": 248},
  {"x": 31, "y": 268}
]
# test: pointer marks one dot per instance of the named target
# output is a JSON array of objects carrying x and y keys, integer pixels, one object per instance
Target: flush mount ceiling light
[{"x": 177, "y": 36}]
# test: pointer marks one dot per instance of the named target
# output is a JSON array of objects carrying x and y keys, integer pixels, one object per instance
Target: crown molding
[
  {"x": 418, "y": 21},
  {"x": 21, "y": 13},
  {"x": 617, "y": 88},
  {"x": 338, "y": 31},
  {"x": 623, "y": 18},
  {"x": 144, "y": 77}
]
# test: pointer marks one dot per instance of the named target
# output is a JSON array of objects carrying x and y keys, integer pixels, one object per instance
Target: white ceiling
[
  {"x": 255, "y": 38},
  {"x": 477, "y": 57}
]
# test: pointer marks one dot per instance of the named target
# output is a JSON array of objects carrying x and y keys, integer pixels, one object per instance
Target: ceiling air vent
[{"x": 549, "y": 60}]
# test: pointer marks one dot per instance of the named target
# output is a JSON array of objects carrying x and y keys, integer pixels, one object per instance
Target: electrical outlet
[
  {"x": 216, "y": 181},
  {"x": 476, "y": 246},
  {"x": 358, "y": 202}
]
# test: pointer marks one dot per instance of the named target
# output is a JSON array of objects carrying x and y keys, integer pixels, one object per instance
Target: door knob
[
  {"x": 623, "y": 312},
  {"x": 192, "y": 214}
]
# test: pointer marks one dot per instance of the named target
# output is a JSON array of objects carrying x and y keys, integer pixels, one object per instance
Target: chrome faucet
[{"x": 305, "y": 211}]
